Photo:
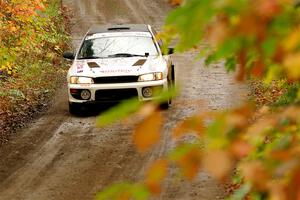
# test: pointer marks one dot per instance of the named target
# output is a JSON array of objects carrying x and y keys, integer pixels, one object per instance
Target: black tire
[
  {"x": 166, "y": 105},
  {"x": 171, "y": 84},
  {"x": 173, "y": 76},
  {"x": 74, "y": 108}
]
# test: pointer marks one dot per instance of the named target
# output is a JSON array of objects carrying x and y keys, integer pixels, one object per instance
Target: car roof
[{"x": 118, "y": 28}]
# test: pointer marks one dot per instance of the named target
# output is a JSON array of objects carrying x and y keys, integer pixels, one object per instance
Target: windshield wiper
[
  {"x": 126, "y": 55},
  {"x": 89, "y": 57}
]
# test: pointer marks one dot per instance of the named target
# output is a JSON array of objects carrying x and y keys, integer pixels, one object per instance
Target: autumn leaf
[
  {"x": 292, "y": 66},
  {"x": 147, "y": 110},
  {"x": 147, "y": 133},
  {"x": 294, "y": 186},
  {"x": 258, "y": 68},
  {"x": 217, "y": 33},
  {"x": 268, "y": 9},
  {"x": 218, "y": 163},
  {"x": 240, "y": 149},
  {"x": 241, "y": 73},
  {"x": 40, "y": 6},
  {"x": 191, "y": 163},
  {"x": 188, "y": 158},
  {"x": 175, "y": 2},
  {"x": 155, "y": 175},
  {"x": 193, "y": 124},
  {"x": 255, "y": 173},
  {"x": 292, "y": 41},
  {"x": 278, "y": 190}
]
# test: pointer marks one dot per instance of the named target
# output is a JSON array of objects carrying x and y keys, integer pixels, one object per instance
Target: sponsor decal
[
  {"x": 115, "y": 71},
  {"x": 122, "y": 34},
  {"x": 79, "y": 68}
]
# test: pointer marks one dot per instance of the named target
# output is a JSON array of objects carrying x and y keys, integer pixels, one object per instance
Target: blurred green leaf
[
  {"x": 241, "y": 193},
  {"x": 181, "y": 151},
  {"x": 135, "y": 191},
  {"x": 119, "y": 112}
]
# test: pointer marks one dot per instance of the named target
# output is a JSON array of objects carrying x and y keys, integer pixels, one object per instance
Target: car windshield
[{"x": 120, "y": 46}]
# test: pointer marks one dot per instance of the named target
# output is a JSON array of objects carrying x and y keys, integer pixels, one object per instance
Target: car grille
[
  {"x": 115, "y": 79},
  {"x": 115, "y": 95}
]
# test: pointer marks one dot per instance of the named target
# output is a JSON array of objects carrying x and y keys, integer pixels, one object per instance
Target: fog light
[
  {"x": 147, "y": 92},
  {"x": 85, "y": 94},
  {"x": 74, "y": 91}
]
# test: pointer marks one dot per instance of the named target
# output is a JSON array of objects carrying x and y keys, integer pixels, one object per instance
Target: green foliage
[
  {"x": 124, "y": 191},
  {"x": 119, "y": 112},
  {"x": 32, "y": 37},
  {"x": 244, "y": 35},
  {"x": 28, "y": 30},
  {"x": 181, "y": 151},
  {"x": 290, "y": 96}
]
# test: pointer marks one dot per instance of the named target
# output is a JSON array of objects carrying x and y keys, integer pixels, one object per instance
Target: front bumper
[{"x": 93, "y": 88}]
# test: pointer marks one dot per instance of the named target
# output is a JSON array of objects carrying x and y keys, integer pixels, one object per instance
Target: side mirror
[
  {"x": 170, "y": 51},
  {"x": 69, "y": 55}
]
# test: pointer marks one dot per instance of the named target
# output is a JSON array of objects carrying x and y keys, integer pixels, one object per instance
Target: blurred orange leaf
[
  {"x": 190, "y": 163},
  {"x": 124, "y": 196},
  {"x": 258, "y": 68},
  {"x": 278, "y": 191},
  {"x": 147, "y": 110},
  {"x": 193, "y": 124},
  {"x": 175, "y": 2},
  {"x": 155, "y": 175},
  {"x": 255, "y": 173},
  {"x": 292, "y": 66},
  {"x": 147, "y": 133},
  {"x": 292, "y": 40},
  {"x": 294, "y": 186},
  {"x": 240, "y": 149},
  {"x": 218, "y": 163}
]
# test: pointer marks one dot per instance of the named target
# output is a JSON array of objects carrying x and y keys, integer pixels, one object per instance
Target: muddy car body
[{"x": 118, "y": 62}]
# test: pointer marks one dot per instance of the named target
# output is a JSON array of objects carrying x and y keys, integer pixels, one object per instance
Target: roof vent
[{"x": 118, "y": 28}]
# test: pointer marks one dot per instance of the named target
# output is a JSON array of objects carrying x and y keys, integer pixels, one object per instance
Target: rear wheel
[
  {"x": 166, "y": 105},
  {"x": 173, "y": 76}
]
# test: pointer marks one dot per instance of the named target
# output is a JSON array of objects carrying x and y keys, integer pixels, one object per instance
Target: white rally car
[{"x": 116, "y": 63}]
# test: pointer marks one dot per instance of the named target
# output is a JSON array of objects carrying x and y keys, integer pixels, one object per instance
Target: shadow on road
[{"x": 92, "y": 110}]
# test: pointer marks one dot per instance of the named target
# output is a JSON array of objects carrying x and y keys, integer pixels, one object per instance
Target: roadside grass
[{"x": 38, "y": 75}]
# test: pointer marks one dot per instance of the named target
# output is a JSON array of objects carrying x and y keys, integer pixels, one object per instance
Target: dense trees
[
  {"x": 32, "y": 34},
  {"x": 27, "y": 30}
]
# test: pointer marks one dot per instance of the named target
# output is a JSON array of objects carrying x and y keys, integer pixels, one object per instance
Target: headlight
[
  {"x": 81, "y": 80},
  {"x": 151, "y": 77}
]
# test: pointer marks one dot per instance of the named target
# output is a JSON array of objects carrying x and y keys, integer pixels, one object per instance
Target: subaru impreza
[{"x": 119, "y": 62}]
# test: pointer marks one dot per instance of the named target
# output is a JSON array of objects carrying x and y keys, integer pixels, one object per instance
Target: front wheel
[
  {"x": 171, "y": 86},
  {"x": 74, "y": 108},
  {"x": 167, "y": 104}
]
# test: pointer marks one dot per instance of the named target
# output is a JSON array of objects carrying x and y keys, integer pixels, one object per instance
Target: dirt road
[{"x": 62, "y": 157}]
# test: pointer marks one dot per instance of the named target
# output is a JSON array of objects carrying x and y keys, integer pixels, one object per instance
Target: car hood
[{"x": 118, "y": 66}]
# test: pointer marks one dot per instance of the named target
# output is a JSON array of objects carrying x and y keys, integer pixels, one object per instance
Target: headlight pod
[
  {"x": 151, "y": 77},
  {"x": 81, "y": 80}
]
